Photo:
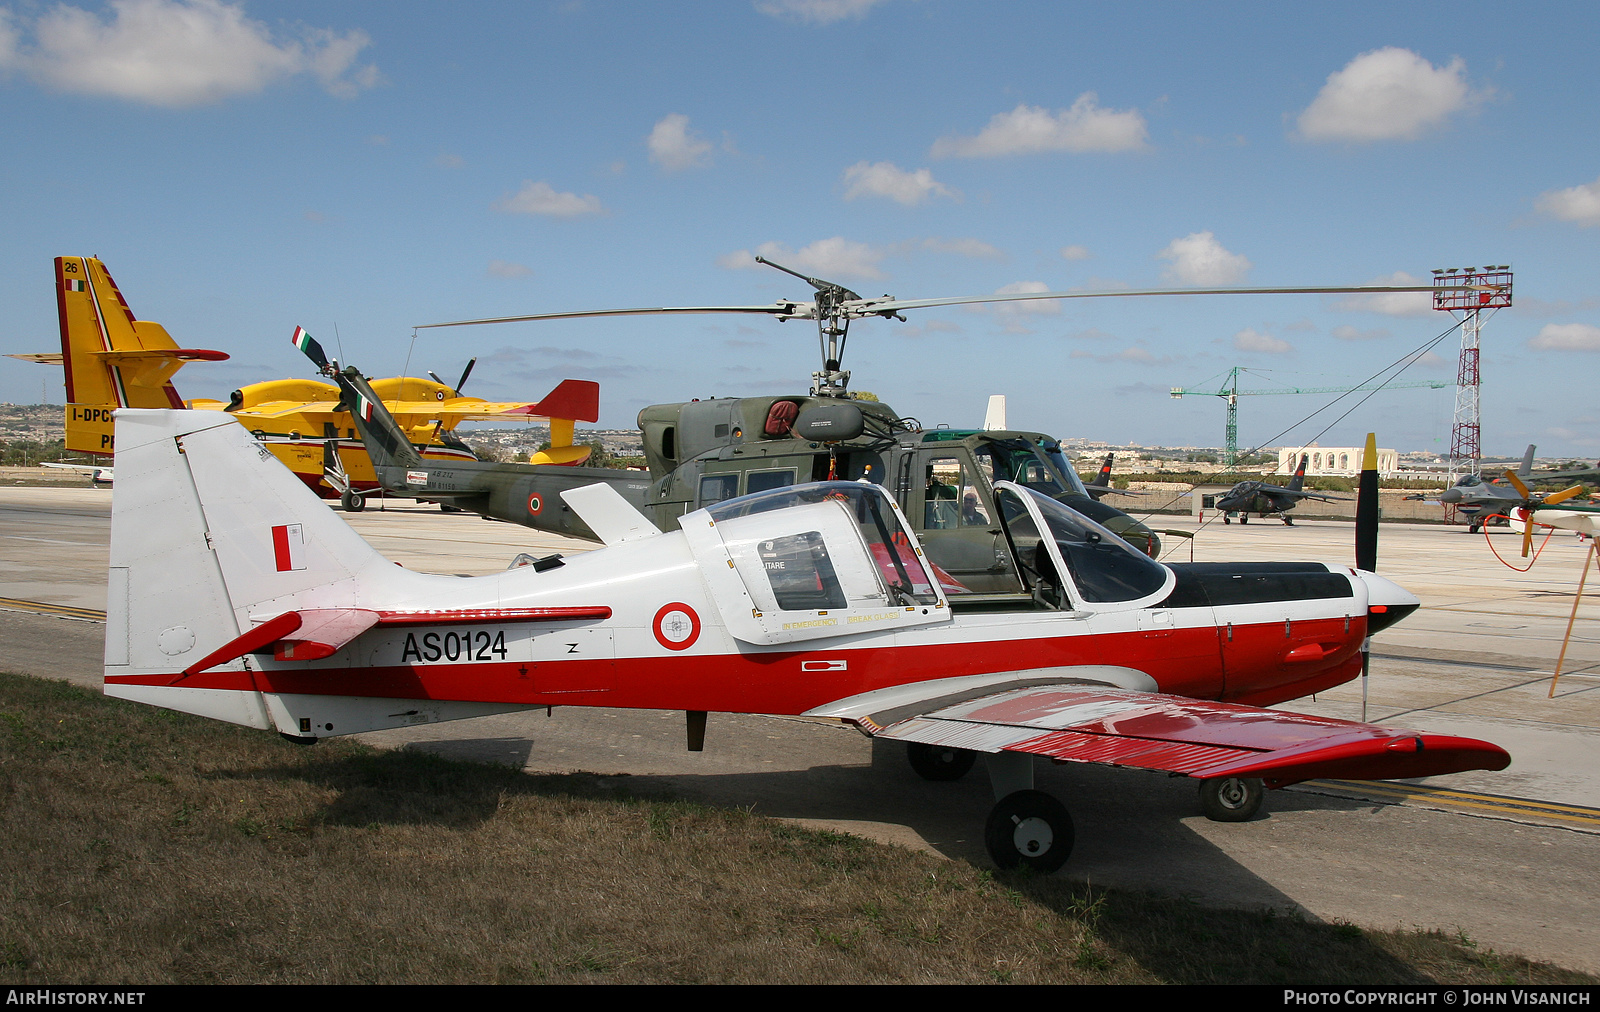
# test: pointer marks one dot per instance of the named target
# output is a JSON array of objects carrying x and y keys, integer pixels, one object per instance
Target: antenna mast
[{"x": 1469, "y": 291}]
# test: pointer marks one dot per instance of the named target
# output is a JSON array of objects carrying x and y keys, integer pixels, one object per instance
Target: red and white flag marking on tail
[{"x": 288, "y": 541}]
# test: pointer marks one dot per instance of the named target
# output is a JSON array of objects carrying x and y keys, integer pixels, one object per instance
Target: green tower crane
[{"x": 1231, "y": 392}]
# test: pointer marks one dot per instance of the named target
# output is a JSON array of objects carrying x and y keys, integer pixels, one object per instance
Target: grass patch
[{"x": 150, "y": 847}]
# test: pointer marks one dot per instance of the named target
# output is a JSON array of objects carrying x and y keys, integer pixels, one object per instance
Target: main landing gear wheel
[
  {"x": 1244, "y": 519},
  {"x": 938, "y": 762},
  {"x": 1231, "y": 799},
  {"x": 351, "y": 502},
  {"x": 1227, "y": 519},
  {"x": 1029, "y": 828}
]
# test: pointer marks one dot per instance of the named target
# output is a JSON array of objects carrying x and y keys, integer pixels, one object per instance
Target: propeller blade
[
  {"x": 465, "y": 373},
  {"x": 1527, "y": 532},
  {"x": 1563, "y": 495},
  {"x": 1367, "y": 508},
  {"x": 308, "y": 344},
  {"x": 1516, "y": 483}
]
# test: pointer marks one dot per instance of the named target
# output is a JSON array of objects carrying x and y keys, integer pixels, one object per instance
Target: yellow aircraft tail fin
[{"x": 111, "y": 359}]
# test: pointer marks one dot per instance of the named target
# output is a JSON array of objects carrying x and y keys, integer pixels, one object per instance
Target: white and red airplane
[{"x": 236, "y": 594}]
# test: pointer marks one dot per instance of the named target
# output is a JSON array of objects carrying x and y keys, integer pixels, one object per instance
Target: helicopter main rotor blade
[
  {"x": 780, "y": 309},
  {"x": 889, "y": 306},
  {"x": 873, "y": 307}
]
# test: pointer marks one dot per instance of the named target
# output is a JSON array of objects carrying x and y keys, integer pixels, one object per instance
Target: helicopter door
[{"x": 959, "y": 530}]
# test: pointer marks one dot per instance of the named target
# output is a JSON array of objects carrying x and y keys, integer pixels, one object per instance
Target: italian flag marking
[{"x": 301, "y": 339}]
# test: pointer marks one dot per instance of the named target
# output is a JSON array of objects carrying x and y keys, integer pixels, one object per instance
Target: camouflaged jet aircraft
[{"x": 1266, "y": 500}]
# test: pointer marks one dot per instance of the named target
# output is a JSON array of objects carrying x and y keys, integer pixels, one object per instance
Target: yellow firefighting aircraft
[{"x": 113, "y": 360}]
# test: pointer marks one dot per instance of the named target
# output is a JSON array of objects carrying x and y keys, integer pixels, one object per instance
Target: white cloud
[
  {"x": 1387, "y": 94},
  {"x": 1566, "y": 337},
  {"x": 1390, "y": 303},
  {"x": 674, "y": 147},
  {"x": 542, "y": 198},
  {"x": 1579, "y": 204},
  {"x": 507, "y": 269},
  {"x": 836, "y": 257},
  {"x": 446, "y": 160},
  {"x": 1075, "y": 253},
  {"x": 177, "y": 53},
  {"x": 816, "y": 12},
  {"x": 1254, "y": 340},
  {"x": 1031, "y": 129},
  {"x": 1345, "y": 332},
  {"x": 1198, "y": 259},
  {"x": 885, "y": 179}
]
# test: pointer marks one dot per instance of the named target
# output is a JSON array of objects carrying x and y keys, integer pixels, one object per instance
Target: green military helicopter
[
  {"x": 704, "y": 451},
  {"x": 701, "y": 452}
]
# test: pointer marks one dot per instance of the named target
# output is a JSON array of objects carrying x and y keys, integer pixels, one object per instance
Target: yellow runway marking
[
  {"x": 1444, "y": 797},
  {"x": 60, "y": 610}
]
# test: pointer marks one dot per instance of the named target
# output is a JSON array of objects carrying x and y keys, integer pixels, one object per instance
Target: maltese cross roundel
[{"x": 676, "y": 626}]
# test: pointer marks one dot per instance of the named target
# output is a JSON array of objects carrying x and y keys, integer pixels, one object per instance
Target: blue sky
[{"x": 362, "y": 168}]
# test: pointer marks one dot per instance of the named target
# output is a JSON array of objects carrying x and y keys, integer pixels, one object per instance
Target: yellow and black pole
[{"x": 1367, "y": 540}]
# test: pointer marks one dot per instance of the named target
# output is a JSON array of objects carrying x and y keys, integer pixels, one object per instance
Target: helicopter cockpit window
[
  {"x": 1101, "y": 567},
  {"x": 901, "y": 576},
  {"x": 1020, "y": 461},
  {"x": 1063, "y": 466}
]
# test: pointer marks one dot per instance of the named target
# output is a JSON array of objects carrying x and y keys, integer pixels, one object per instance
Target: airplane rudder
[{"x": 167, "y": 602}]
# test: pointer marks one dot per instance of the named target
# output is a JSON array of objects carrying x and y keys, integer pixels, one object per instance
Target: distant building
[{"x": 1342, "y": 461}]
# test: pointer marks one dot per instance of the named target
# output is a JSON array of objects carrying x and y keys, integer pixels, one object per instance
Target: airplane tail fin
[
  {"x": 212, "y": 540},
  {"x": 1299, "y": 479},
  {"x": 1104, "y": 477},
  {"x": 1526, "y": 469},
  {"x": 111, "y": 359},
  {"x": 570, "y": 402}
]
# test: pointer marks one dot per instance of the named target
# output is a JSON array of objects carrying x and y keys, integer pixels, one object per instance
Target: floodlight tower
[{"x": 1469, "y": 291}]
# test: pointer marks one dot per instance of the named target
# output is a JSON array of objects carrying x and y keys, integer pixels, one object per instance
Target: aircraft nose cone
[
  {"x": 1387, "y": 601},
  {"x": 1450, "y": 495}
]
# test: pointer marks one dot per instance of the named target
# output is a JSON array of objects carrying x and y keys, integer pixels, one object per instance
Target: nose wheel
[{"x": 1029, "y": 829}]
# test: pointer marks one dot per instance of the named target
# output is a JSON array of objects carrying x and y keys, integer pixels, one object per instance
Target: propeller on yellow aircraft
[{"x": 1530, "y": 504}]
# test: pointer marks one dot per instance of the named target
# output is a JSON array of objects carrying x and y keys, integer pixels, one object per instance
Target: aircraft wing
[{"x": 1071, "y": 719}]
